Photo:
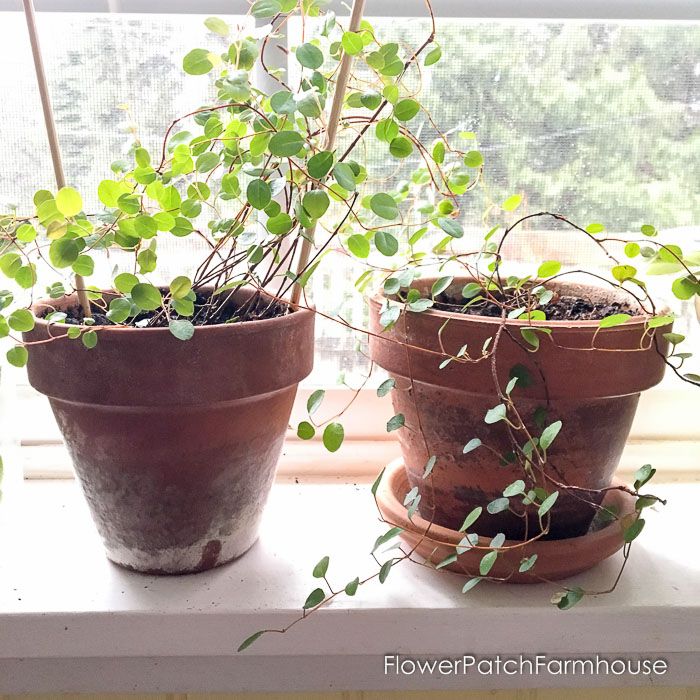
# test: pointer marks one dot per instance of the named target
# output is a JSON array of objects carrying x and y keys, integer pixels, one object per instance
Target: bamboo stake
[
  {"x": 51, "y": 129},
  {"x": 331, "y": 131}
]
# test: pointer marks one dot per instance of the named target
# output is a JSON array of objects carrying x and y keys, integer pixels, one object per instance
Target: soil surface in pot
[
  {"x": 560, "y": 308},
  {"x": 209, "y": 310}
]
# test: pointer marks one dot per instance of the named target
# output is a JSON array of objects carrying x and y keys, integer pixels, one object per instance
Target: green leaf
[
  {"x": 280, "y": 224},
  {"x": 388, "y": 535},
  {"x": 471, "y": 519},
  {"x": 633, "y": 531},
  {"x": 384, "y": 206},
  {"x": 498, "y": 505},
  {"x": 197, "y": 62},
  {"x": 385, "y": 387},
  {"x": 471, "y": 583},
  {"x": 320, "y": 164},
  {"x": 517, "y": 487},
  {"x": 305, "y": 431},
  {"x": 73, "y": 332},
  {"x": 314, "y": 401},
  {"x": 377, "y": 481},
  {"x": 345, "y": 176},
  {"x": 595, "y": 228},
  {"x": 495, "y": 414},
  {"x": 384, "y": 571},
  {"x": 395, "y": 422},
  {"x": 17, "y": 356},
  {"x": 315, "y": 203},
  {"x": 89, "y": 339},
  {"x": 63, "y": 252},
  {"x": 26, "y": 233},
  {"x": 440, "y": 285},
  {"x": 352, "y": 43},
  {"x": 547, "y": 504},
  {"x": 180, "y": 287},
  {"x": 390, "y": 92},
  {"x": 643, "y": 475},
  {"x": 570, "y": 599},
  {"x": 487, "y": 562},
  {"x": 321, "y": 569},
  {"x": 125, "y": 282},
  {"x": 451, "y": 227},
  {"x": 68, "y": 201},
  {"x": 259, "y": 194},
  {"x": 632, "y": 249},
  {"x": 433, "y": 56},
  {"x": 315, "y": 597},
  {"x": 387, "y": 130},
  {"x": 449, "y": 559},
  {"x": 401, "y": 147},
  {"x": 21, "y": 320},
  {"x": 614, "y": 320},
  {"x": 333, "y": 436},
  {"x": 648, "y": 230},
  {"x": 119, "y": 310},
  {"x": 623, "y": 272},
  {"x": 684, "y": 289},
  {"x": 429, "y": 466},
  {"x": 216, "y": 25},
  {"x": 206, "y": 162},
  {"x": 548, "y": 269},
  {"x": 182, "y": 329},
  {"x": 471, "y": 445},
  {"x": 253, "y": 638},
  {"x": 549, "y": 434},
  {"x": 359, "y": 246},
  {"x": 309, "y": 56},
  {"x": 386, "y": 243},
  {"x": 527, "y": 564},
  {"x": 146, "y": 296},
  {"x": 512, "y": 203},
  {"x": 351, "y": 588},
  {"x": 474, "y": 159},
  {"x": 405, "y": 110},
  {"x": 285, "y": 143}
]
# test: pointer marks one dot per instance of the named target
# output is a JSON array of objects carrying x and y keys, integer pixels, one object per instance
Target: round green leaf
[
  {"x": 344, "y": 176},
  {"x": 180, "y": 287},
  {"x": 512, "y": 203},
  {"x": 401, "y": 147},
  {"x": 548, "y": 269},
  {"x": 333, "y": 436},
  {"x": 146, "y": 296},
  {"x": 359, "y": 246},
  {"x": 207, "y": 161},
  {"x": 285, "y": 143},
  {"x": 280, "y": 224},
  {"x": 63, "y": 252},
  {"x": 259, "y": 194},
  {"x": 405, "y": 110},
  {"x": 197, "y": 62},
  {"x": 387, "y": 130},
  {"x": 384, "y": 206},
  {"x": 473, "y": 159},
  {"x": 17, "y": 356},
  {"x": 84, "y": 266},
  {"x": 21, "y": 320},
  {"x": 305, "y": 431},
  {"x": 309, "y": 55},
  {"x": 217, "y": 26},
  {"x": 181, "y": 329},
  {"x": 320, "y": 164},
  {"x": 68, "y": 201},
  {"x": 315, "y": 203},
  {"x": 595, "y": 228},
  {"x": 119, "y": 310},
  {"x": 125, "y": 282},
  {"x": 89, "y": 339},
  {"x": 386, "y": 243},
  {"x": 352, "y": 43}
]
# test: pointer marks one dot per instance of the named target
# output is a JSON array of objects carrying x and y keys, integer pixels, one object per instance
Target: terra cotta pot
[
  {"x": 175, "y": 443},
  {"x": 594, "y": 392}
]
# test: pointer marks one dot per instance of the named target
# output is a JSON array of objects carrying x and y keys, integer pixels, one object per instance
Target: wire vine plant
[{"x": 273, "y": 184}]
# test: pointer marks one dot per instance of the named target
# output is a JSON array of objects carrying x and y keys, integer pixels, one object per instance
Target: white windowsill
[{"x": 71, "y": 621}]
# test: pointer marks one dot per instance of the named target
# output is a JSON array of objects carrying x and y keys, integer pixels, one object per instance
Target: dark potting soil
[
  {"x": 254, "y": 309},
  {"x": 562, "y": 308}
]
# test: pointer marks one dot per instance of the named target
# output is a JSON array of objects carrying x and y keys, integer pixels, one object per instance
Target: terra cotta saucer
[{"x": 556, "y": 559}]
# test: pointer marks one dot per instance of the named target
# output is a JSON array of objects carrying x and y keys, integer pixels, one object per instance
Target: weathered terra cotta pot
[
  {"x": 594, "y": 392},
  {"x": 175, "y": 443}
]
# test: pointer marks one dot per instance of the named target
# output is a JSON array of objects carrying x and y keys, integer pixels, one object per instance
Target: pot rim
[
  {"x": 245, "y": 327},
  {"x": 633, "y": 321}
]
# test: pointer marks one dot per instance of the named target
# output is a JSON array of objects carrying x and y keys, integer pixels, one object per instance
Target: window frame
[{"x": 664, "y": 415}]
